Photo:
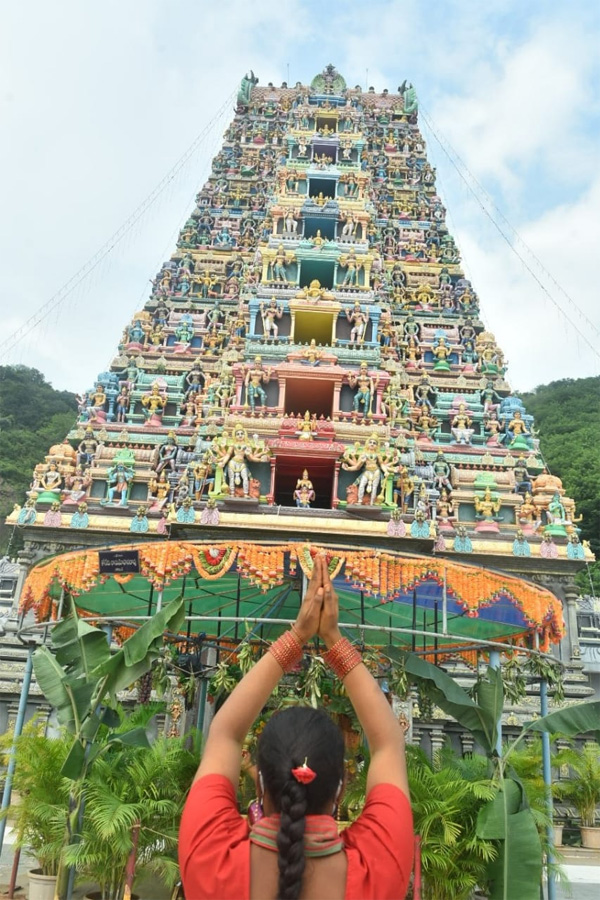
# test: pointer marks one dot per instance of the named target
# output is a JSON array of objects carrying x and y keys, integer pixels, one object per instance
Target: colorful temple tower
[{"x": 311, "y": 365}]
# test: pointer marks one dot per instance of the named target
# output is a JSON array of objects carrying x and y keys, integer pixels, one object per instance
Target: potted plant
[
  {"x": 39, "y": 811},
  {"x": 526, "y": 764},
  {"x": 133, "y": 803},
  {"x": 557, "y": 828},
  {"x": 583, "y": 788}
]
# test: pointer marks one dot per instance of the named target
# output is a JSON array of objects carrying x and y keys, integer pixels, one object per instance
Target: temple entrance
[
  {"x": 289, "y": 469},
  {"x": 303, "y": 394}
]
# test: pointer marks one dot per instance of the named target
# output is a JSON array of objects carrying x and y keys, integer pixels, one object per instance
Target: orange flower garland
[
  {"x": 263, "y": 566},
  {"x": 379, "y": 574},
  {"x": 164, "y": 561}
]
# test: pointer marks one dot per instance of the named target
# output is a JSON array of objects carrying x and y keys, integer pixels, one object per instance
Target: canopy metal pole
[
  {"x": 238, "y": 600},
  {"x": 10, "y": 769},
  {"x": 61, "y": 603},
  {"x": 150, "y": 597},
  {"x": 202, "y": 704},
  {"x": 304, "y": 586},
  {"x": 471, "y": 642},
  {"x": 547, "y": 774},
  {"x": 188, "y": 633},
  {"x": 495, "y": 664},
  {"x": 445, "y": 603},
  {"x": 108, "y": 630},
  {"x": 190, "y": 611},
  {"x": 547, "y": 771}
]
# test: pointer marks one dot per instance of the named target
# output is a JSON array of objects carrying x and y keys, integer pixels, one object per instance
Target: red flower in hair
[{"x": 304, "y": 774}]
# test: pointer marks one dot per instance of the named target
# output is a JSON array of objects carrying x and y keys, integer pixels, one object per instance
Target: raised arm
[
  {"x": 223, "y": 750},
  {"x": 383, "y": 733}
]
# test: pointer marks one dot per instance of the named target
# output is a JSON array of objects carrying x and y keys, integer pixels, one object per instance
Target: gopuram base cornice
[{"x": 365, "y": 525}]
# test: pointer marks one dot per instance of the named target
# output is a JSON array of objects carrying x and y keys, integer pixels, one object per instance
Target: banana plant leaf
[
  {"x": 69, "y": 695},
  {"x": 79, "y": 647},
  {"x": 139, "y": 651},
  {"x": 481, "y": 719},
  {"x": 80, "y": 678},
  {"x": 517, "y": 870},
  {"x": 584, "y": 718},
  {"x": 75, "y": 762},
  {"x": 136, "y": 737}
]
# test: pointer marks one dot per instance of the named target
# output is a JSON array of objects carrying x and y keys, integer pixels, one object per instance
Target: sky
[{"x": 109, "y": 107}]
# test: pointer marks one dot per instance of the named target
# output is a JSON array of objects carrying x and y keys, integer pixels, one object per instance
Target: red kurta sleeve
[
  {"x": 379, "y": 847},
  {"x": 214, "y": 851}
]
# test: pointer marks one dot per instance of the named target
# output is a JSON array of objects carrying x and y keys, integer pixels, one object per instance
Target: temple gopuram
[{"x": 311, "y": 369}]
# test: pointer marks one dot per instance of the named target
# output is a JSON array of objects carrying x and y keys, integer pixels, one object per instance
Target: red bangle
[
  {"x": 342, "y": 658},
  {"x": 296, "y": 634},
  {"x": 287, "y": 650}
]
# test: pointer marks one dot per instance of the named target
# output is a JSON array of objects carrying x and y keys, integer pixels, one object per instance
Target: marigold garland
[
  {"x": 377, "y": 573},
  {"x": 263, "y": 566}
]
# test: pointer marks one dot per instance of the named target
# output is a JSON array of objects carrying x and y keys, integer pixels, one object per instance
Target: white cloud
[
  {"x": 99, "y": 103},
  {"x": 525, "y": 106},
  {"x": 540, "y": 343}
]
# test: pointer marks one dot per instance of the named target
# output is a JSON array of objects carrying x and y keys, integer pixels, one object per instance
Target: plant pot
[
  {"x": 590, "y": 837},
  {"x": 97, "y": 895},
  {"x": 41, "y": 887},
  {"x": 558, "y": 834}
]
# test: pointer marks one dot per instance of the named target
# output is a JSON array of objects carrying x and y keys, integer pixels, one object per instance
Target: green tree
[
  {"x": 567, "y": 417},
  {"x": 33, "y": 417}
]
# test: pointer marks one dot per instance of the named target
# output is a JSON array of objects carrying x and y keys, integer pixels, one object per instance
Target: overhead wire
[
  {"x": 478, "y": 192},
  {"x": 54, "y": 303},
  {"x": 175, "y": 232}
]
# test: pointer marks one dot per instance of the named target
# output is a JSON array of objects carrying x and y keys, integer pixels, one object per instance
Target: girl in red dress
[{"x": 295, "y": 850}]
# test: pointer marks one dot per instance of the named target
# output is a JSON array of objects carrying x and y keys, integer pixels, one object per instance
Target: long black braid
[
  {"x": 290, "y": 840},
  {"x": 290, "y": 737}
]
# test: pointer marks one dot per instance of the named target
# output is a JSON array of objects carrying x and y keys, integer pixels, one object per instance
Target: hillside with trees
[
  {"x": 567, "y": 419},
  {"x": 33, "y": 416}
]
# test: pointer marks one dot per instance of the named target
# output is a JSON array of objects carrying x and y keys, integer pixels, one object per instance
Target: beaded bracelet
[
  {"x": 342, "y": 658},
  {"x": 287, "y": 650}
]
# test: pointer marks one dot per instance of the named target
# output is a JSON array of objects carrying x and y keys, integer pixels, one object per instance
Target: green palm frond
[
  {"x": 446, "y": 795},
  {"x": 124, "y": 787}
]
